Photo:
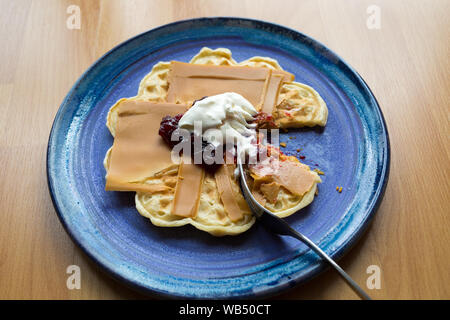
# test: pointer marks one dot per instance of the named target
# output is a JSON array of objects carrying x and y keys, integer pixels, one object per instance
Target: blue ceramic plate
[{"x": 353, "y": 151}]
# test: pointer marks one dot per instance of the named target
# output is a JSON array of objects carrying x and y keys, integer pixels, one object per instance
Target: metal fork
[{"x": 281, "y": 227}]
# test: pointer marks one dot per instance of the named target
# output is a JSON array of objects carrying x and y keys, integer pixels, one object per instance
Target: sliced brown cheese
[
  {"x": 188, "y": 189},
  {"x": 223, "y": 177},
  {"x": 292, "y": 175},
  {"x": 138, "y": 151},
  {"x": 270, "y": 191},
  {"x": 286, "y": 76},
  {"x": 272, "y": 91},
  {"x": 189, "y": 82}
]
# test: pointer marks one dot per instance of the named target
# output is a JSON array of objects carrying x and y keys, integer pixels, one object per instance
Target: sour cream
[{"x": 223, "y": 119}]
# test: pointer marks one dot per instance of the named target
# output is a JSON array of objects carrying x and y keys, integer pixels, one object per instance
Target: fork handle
[
  {"x": 284, "y": 228},
  {"x": 324, "y": 256},
  {"x": 279, "y": 226}
]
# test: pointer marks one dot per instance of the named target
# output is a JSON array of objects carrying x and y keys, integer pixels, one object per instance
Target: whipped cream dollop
[{"x": 223, "y": 119}]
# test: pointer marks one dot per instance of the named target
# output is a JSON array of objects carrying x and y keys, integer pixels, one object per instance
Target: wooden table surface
[{"x": 405, "y": 62}]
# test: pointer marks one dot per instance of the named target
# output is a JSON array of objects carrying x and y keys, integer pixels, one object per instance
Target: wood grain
[{"x": 405, "y": 63}]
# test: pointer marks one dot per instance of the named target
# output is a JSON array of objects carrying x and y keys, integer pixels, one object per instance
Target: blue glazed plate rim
[{"x": 282, "y": 285}]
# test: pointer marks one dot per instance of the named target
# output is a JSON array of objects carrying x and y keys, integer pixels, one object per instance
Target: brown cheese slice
[
  {"x": 270, "y": 191},
  {"x": 286, "y": 76},
  {"x": 272, "y": 91},
  {"x": 189, "y": 82},
  {"x": 293, "y": 176},
  {"x": 229, "y": 201},
  {"x": 259, "y": 197},
  {"x": 187, "y": 190},
  {"x": 138, "y": 151}
]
